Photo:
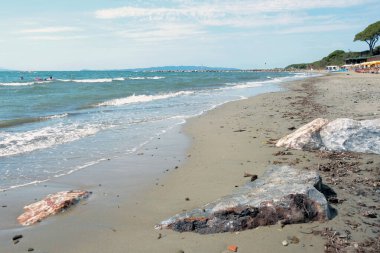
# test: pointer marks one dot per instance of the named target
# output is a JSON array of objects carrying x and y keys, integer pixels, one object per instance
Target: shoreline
[{"x": 213, "y": 166}]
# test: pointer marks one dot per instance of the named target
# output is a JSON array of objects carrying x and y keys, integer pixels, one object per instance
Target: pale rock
[
  {"x": 285, "y": 243},
  {"x": 52, "y": 204},
  {"x": 352, "y": 135},
  {"x": 338, "y": 135},
  {"x": 306, "y": 137}
]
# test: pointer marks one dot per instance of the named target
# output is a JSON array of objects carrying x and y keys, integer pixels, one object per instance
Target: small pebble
[
  {"x": 16, "y": 237},
  {"x": 187, "y": 199},
  {"x": 30, "y": 249},
  {"x": 285, "y": 243},
  {"x": 232, "y": 248},
  {"x": 180, "y": 251}
]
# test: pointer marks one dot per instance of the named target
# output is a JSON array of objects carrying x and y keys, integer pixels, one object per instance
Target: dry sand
[{"x": 226, "y": 142}]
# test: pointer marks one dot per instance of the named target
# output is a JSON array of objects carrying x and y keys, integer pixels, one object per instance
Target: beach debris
[
  {"x": 52, "y": 204},
  {"x": 16, "y": 239},
  {"x": 232, "y": 248},
  {"x": 293, "y": 239},
  {"x": 252, "y": 176},
  {"x": 285, "y": 243},
  {"x": 239, "y": 130},
  {"x": 282, "y": 193},
  {"x": 369, "y": 214},
  {"x": 338, "y": 135}
]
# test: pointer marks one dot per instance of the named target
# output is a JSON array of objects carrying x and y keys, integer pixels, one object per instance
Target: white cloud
[
  {"x": 161, "y": 32},
  {"x": 51, "y": 29},
  {"x": 223, "y": 13},
  {"x": 315, "y": 28},
  {"x": 55, "y": 37},
  {"x": 222, "y": 9}
]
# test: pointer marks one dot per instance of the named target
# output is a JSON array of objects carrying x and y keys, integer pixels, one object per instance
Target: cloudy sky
[{"x": 112, "y": 34}]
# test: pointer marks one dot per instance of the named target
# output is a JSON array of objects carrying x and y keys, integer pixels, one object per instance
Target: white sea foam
[
  {"x": 100, "y": 80},
  {"x": 155, "y": 77},
  {"x": 148, "y": 77},
  {"x": 57, "y": 116},
  {"x": 136, "y": 78},
  {"x": 142, "y": 98},
  {"x": 243, "y": 85},
  {"x": 18, "y": 143},
  {"x": 96, "y": 80},
  {"x": 17, "y": 84}
]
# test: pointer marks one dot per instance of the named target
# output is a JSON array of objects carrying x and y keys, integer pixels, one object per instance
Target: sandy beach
[{"x": 219, "y": 147}]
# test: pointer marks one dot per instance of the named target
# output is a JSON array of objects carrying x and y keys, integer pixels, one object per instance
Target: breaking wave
[
  {"x": 23, "y": 142},
  {"x": 142, "y": 98}
]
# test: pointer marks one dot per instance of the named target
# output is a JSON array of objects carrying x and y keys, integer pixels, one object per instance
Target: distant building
[
  {"x": 374, "y": 58},
  {"x": 356, "y": 60},
  {"x": 362, "y": 59}
]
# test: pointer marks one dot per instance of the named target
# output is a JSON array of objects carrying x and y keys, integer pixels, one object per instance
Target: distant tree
[{"x": 370, "y": 35}]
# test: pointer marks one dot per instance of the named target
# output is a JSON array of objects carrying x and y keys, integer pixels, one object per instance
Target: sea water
[{"x": 55, "y": 123}]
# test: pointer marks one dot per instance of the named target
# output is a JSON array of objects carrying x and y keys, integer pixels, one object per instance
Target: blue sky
[{"x": 112, "y": 34}]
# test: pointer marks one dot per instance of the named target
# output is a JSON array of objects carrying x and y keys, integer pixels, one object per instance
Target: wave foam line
[
  {"x": 17, "y": 84},
  {"x": 142, "y": 98},
  {"x": 147, "y": 77},
  {"x": 22, "y": 185},
  {"x": 18, "y": 143},
  {"x": 21, "y": 121}
]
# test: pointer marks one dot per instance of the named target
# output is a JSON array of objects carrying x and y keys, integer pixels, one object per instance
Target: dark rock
[
  {"x": 281, "y": 194},
  {"x": 17, "y": 237}
]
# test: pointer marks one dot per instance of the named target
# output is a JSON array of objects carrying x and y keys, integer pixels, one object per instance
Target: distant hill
[
  {"x": 1, "y": 69},
  {"x": 182, "y": 68},
  {"x": 337, "y": 57}
]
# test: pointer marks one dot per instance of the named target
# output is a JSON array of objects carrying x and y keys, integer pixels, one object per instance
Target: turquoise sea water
[{"x": 51, "y": 128}]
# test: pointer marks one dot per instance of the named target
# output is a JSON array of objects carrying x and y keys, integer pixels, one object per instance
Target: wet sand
[{"x": 225, "y": 142}]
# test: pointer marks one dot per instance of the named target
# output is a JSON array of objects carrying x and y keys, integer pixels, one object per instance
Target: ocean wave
[
  {"x": 100, "y": 80},
  {"x": 142, "y": 98},
  {"x": 146, "y": 77},
  {"x": 17, "y": 84},
  {"x": 56, "y": 116},
  {"x": 155, "y": 77},
  {"x": 23, "y": 142},
  {"x": 244, "y": 85},
  {"x": 20, "y": 121}
]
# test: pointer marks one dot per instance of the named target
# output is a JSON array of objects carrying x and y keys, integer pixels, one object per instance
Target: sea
[{"x": 55, "y": 123}]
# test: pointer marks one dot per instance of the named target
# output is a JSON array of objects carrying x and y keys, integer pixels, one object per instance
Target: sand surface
[{"x": 225, "y": 142}]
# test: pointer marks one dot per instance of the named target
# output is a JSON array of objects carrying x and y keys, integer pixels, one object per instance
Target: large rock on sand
[
  {"x": 281, "y": 194},
  {"x": 306, "y": 137},
  {"x": 52, "y": 204},
  {"x": 337, "y": 135}
]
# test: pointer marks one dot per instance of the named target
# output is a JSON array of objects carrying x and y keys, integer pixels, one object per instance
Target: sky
[{"x": 120, "y": 34}]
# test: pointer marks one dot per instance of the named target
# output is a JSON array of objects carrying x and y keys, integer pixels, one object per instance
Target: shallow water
[{"x": 55, "y": 127}]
